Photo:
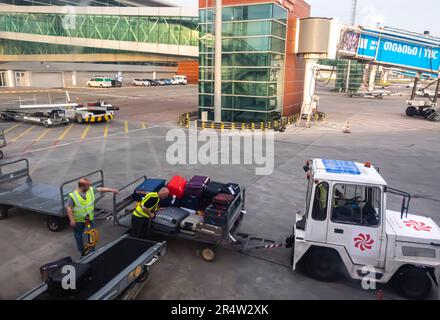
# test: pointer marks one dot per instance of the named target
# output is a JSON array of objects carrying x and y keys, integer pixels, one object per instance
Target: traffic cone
[{"x": 347, "y": 128}]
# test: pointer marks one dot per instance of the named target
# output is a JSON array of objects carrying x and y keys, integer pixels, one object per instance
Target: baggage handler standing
[
  {"x": 80, "y": 206},
  {"x": 145, "y": 211}
]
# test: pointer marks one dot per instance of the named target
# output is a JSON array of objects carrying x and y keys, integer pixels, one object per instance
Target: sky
[{"x": 411, "y": 15}]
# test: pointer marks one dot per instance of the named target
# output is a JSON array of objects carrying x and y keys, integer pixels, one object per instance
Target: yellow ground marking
[
  {"x": 21, "y": 135},
  {"x": 126, "y": 126},
  {"x": 65, "y": 132},
  {"x": 13, "y": 127},
  {"x": 144, "y": 126},
  {"x": 41, "y": 136},
  {"x": 106, "y": 131},
  {"x": 85, "y": 132}
]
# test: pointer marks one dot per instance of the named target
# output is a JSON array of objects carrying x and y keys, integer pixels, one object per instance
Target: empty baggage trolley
[{"x": 18, "y": 190}]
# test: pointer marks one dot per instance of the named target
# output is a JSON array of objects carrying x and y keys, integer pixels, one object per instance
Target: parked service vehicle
[
  {"x": 180, "y": 80},
  {"x": 347, "y": 224},
  {"x": 140, "y": 83},
  {"x": 161, "y": 82},
  {"x": 152, "y": 82},
  {"x": 168, "y": 82},
  {"x": 116, "y": 83},
  {"x": 100, "y": 82}
]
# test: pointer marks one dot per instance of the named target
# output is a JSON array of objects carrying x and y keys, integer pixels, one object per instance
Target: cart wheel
[
  {"x": 55, "y": 224},
  {"x": 208, "y": 254},
  {"x": 79, "y": 119},
  {"x": 427, "y": 113},
  {"x": 1, "y": 155},
  {"x": 4, "y": 212},
  {"x": 46, "y": 125}
]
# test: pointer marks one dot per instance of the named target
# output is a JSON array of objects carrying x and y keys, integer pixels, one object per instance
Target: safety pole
[
  {"x": 416, "y": 83},
  {"x": 437, "y": 88},
  {"x": 218, "y": 63}
]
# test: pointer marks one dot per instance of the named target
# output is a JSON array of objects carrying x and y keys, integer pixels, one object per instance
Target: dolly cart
[
  {"x": 123, "y": 206},
  {"x": 18, "y": 190}
]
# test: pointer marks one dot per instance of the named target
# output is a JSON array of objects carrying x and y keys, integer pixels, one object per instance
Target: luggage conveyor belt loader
[
  {"x": 124, "y": 204},
  {"x": 118, "y": 271}
]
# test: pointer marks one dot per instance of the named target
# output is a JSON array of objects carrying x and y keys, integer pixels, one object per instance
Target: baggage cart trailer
[
  {"x": 119, "y": 272},
  {"x": 3, "y": 142},
  {"x": 47, "y": 118},
  {"x": 123, "y": 206},
  {"x": 18, "y": 190}
]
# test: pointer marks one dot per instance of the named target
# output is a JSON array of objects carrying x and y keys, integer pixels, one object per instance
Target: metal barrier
[{"x": 191, "y": 118}]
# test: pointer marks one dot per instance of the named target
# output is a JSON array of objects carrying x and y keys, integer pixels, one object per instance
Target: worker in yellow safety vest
[
  {"x": 81, "y": 207},
  {"x": 145, "y": 211}
]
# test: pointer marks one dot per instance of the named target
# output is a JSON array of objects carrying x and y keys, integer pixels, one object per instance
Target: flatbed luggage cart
[
  {"x": 120, "y": 271},
  {"x": 47, "y": 118},
  {"x": 3, "y": 142},
  {"x": 18, "y": 190},
  {"x": 123, "y": 206}
]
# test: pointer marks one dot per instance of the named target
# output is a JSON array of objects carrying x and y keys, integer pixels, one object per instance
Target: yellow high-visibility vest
[
  {"x": 140, "y": 213},
  {"x": 83, "y": 207}
]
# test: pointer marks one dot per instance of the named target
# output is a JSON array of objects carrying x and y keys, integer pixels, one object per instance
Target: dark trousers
[
  {"x": 140, "y": 228},
  {"x": 78, "y": 232}
]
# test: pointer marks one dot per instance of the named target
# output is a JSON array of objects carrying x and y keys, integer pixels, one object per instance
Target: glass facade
[
  {"x": 148, "y": 29},
  {"x": 253, "y": 58},
  {"x": 100, "y": 3}
]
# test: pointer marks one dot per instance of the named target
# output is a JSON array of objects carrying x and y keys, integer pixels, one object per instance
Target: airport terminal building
[{"x": 61, "y": 43}]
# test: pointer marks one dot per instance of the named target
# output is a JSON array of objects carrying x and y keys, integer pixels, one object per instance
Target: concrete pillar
[
  {"x": 311, "y": 63},
  {"x": 385, "y": 76},
  {"x": 74, "y": 78},
  {"x": 372, "y": 79},
  {"x": 154, "y": 75},
  {"x": 10, "y": 79}
]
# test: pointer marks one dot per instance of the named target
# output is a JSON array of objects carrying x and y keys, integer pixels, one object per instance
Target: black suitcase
[
  {"x": 190, "y": 202},
  {"x": 168, "y": 219},
  {"x": 231, "y": 188},
  {"x": 171, "y": 201},
  {"x": 213, "y": 189},
  {"x": 51, "y": 266},
  {"x": 216, "y": 217},
  {"x": 83, "y": 276}
]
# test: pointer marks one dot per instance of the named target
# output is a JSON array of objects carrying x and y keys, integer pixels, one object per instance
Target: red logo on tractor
[
  {"x": 417, "y": 225},
  {"x": 363, "y": 242}
]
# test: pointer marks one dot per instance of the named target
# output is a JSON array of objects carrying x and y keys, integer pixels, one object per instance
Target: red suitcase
[{"x": 177, "y": 186}]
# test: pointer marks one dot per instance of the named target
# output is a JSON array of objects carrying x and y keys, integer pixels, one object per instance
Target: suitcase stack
[
  {"x": 209, "y": 232},
  {"x": 231, "y": 188},
  {"x": 217, "y": 213},
  {"x": 83, "y": 275},
  {"x": 189, "y": 224},
  {"x": 149, "y": 185},
  {"x": 194, "y": 189}
]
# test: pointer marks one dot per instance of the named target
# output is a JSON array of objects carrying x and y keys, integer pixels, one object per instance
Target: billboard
[{"x": 389, "y": 49}]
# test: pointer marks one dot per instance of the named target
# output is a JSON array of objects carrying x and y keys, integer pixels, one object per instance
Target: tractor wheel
[
  {"x": 4, "y": 212},
  {"x": 323, "y": 265},
  {"x": 411, "y": 111},
  {"x": 79, "y": 119},
  {"x": 413, "y": 283}
]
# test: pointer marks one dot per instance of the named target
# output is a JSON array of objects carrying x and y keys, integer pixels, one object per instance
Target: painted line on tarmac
[
  {"x": 21, "y": 135},
  {"x": 63, "y": 135},
  {"x": 56, "y": 146},
  {"x": 85, "y": 132},
  {"x": 126, "y": 126},
  {"x": 39, "y": 138},
  {"x": 12, "y": 128},
  {"x": 106, "y": 131}
]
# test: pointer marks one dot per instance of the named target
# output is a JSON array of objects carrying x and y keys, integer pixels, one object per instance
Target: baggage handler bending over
[
  {"x": 145, "y": 211},
  {"x": 80, "y": 204}
]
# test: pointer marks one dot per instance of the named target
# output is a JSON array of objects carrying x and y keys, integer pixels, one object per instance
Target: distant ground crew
[
  {"x": 81, "y": 206},
  {"x": 145, "y": 211}
]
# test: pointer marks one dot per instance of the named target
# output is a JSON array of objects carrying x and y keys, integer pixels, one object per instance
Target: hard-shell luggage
[
  {"x": 48, "y": 267},
  {"x": 213, "y": 189},
  {"x": 216, "y": 217},
  {"x": 209, "y": 232},
  {"x": 149, "y": 185},
  {"x": 190, "y": 202},
  {"x": 82, "y": 276},
  {"x": 171, "y": 201},
  {"x": 191, "y": 222},
  {"x": 231, "y": 188},
  {"x": 177, "y": 186},
  {"x": 196, "y": 186},
  {"x": 223, "y": 201},
  {"x": 169, "y": 219}
]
